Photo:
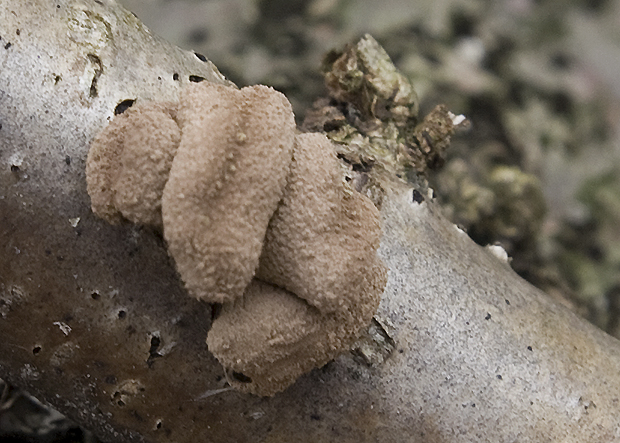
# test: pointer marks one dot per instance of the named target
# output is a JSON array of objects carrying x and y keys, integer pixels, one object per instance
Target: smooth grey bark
[{"x": 94, "y": 320}]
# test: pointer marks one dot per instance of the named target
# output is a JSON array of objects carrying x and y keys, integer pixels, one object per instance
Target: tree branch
[{"x": 95, "y": 321}]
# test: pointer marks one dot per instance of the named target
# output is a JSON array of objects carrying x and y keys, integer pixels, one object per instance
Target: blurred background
[{"x": 538, "y": 171}]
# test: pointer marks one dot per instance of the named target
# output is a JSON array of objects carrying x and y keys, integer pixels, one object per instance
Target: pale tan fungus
[
  {"x": 273, "y": 337},
  {"x": 236, "y": 192},
  {"x": 324, "y": 236},
  {"x": 225, "y": 183},
  {"x": 128, "y": 164}
]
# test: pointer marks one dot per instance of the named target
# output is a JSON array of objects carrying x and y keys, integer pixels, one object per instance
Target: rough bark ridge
[{"x": 94, "y": 320}]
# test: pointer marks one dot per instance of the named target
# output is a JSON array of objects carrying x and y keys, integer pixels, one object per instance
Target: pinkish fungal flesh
[
  {"x": 256, "y": 217},
  {"x": 225, "y": 183}
]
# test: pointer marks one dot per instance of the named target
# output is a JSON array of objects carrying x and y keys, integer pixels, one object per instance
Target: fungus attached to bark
[
  {"x": 323, "y": 237},
  {"x": 249, "y": 210},
  {"x": 272, "y": 336},
  {"x": 225, "y": 183},
  {"x": 129, "y": 162}
]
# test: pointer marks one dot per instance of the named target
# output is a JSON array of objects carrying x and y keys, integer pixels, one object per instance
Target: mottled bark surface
[{"x": 94, "y": 320}]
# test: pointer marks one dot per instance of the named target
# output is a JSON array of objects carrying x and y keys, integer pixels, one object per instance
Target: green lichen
[
  {"x": 503, "y": 204},
  {"x": 365, "y": 76},
  {"x": 372, "y": 113}
]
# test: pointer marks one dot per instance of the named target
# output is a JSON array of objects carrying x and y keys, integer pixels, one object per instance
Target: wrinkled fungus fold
[
  {"x": 224, "y": 185},
  {"x": 129, "y": 162},
  {"x": 272, "y": 336},
  {"x": 323, "y": 236},
  {"x": 255, "y": 216}
]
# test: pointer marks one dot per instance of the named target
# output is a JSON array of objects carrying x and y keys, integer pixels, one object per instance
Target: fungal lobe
[
  {"x": 323, "y": 236},
  {"x": 225, "y": 183},
  {"x": 129, "y": 161}
]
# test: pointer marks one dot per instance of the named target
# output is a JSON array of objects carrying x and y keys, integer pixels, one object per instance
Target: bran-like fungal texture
[
  {"x": 273, "y": 337},
  {"x": 128, "y": 164},
  {"x": 225, "y": 184},
  {"x": 256, "y": 217},
  {"x": 323, "y": 238}
]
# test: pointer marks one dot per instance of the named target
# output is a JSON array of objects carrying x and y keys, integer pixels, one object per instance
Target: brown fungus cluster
[{"x": 256, "y": 216}]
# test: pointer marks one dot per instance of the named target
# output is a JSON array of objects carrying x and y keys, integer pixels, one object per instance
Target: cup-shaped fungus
[{"x": 236, "y": 191}]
